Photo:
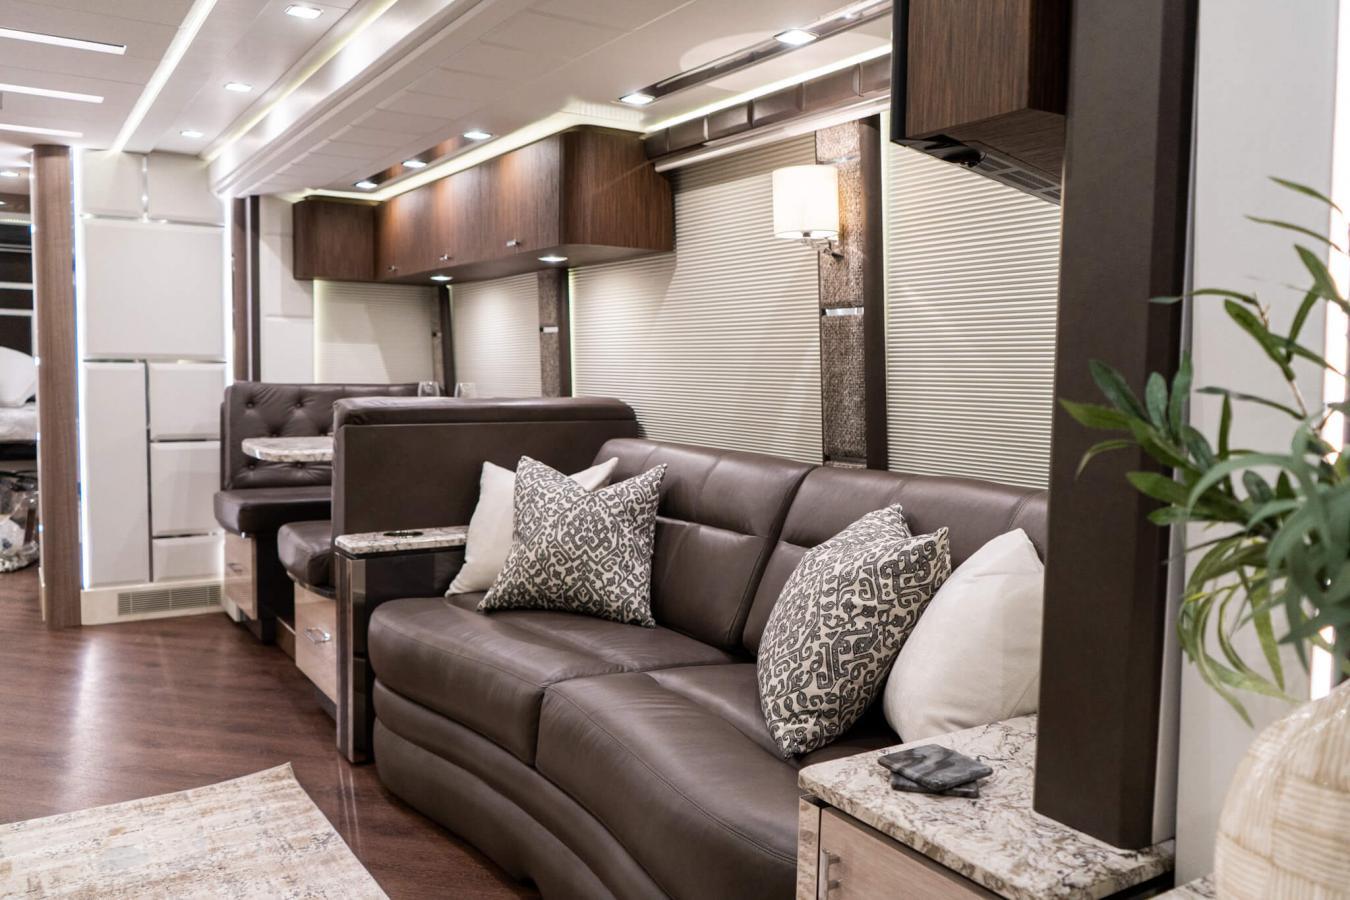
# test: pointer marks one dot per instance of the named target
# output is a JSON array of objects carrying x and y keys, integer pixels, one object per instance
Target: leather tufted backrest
[
  {"x": 260, "y": 409},
  {"x": 720, "y": 514},
  {"x": 831, "y": 499}
]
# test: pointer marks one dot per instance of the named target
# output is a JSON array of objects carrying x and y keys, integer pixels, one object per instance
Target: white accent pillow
[
  {"x": 494, "y": 519},
  {"x": 975, "y": 655},
  {"x": 18, "y": 377}
]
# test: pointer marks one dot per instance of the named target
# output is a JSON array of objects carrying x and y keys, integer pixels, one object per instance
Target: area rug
[{"x": 259, "y": 836}]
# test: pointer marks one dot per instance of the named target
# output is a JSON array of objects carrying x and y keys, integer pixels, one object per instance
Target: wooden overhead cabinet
[
  {"x": 588, "y": 194},
  {"x": 984, "y": 83},
  {"x": 334, "y": 239}
]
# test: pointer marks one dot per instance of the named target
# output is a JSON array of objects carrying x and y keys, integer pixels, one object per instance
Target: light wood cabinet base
[
  {"x": 316, "y": 640},
  {"x": 241, "y": 566}
]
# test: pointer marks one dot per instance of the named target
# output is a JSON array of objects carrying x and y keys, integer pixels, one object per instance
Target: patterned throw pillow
[
  {"x": 839, "y": 624},
  {"x": 580, "y": 551}
]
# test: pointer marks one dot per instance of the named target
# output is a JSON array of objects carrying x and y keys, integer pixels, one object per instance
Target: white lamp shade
[{"x": 806, "y": 202}]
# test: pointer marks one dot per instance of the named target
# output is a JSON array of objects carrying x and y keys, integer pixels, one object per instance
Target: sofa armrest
[{"x": 409, "y": 463}]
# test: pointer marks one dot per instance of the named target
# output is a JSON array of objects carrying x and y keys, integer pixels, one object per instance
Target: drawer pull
[
  {"x": 235, "y": 568},
  {"x": 445, "y": 257},
  {"x": 318, "y": 635},
  {"x": 825, "y": 884},
  {"x": 392, "y": 268},
  {"x": 514, "y": 242}
]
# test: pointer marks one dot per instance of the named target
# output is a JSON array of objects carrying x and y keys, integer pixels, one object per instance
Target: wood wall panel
[
  {"x": 58, "y": 450},
  {"x": 334, "y": 239}
]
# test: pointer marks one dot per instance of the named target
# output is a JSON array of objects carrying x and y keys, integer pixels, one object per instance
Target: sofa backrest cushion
[
  {"x": 261, "y": 409},
  {"x": 720, "y": 515},
  {"x": 831, "y": 499}
]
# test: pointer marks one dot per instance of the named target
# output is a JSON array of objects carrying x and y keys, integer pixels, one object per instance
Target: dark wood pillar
[
  {"x": 852, "y": 303},
  {"x": 555, "y": 338},
  {"x": 54, "y": 325},
  {"x": 245, "y": 305},
  {"x": 1125, "y": 206}
]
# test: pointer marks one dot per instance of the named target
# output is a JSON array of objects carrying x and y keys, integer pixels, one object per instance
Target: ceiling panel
[
  {"x": 163, "y": 12},
  {"x": 626, "y": 15},
  {"x": 459, "y": 84},
  {"x": 541, "y": 34},
  {"x": 416, "y": 104},
  {"x": 505, "y": 63}
]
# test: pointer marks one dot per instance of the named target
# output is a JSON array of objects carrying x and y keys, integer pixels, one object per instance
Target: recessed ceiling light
[
  {"x": 33, "y": 129},
  {"x": 238, "y": 87},
  {"x": 414, "y": 164},
  {"x": 441, "y": 277},
  {"x": 366, "y": 185},
  {"x": 794, "y": 37},
  {"x": 637, "y": 98},
  {"x": 190, "y": 133},
  {"x": 9, "y": 173},
  {"x": 303, "y": 12},
  {"x": 553, "y": 258},
  {"x": 38, "y": 37},
  {"x": 48, "y": 92},
  {"x": 477, "y": 134}
]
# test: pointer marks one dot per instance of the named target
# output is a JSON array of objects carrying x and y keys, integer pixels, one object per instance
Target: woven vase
[{"x": 1285, "y": 827}]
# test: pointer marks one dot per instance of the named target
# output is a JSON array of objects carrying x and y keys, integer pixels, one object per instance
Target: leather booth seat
[
  {"x": 609, "y": 760},
  {"x": 306, "y": 552},
  {"x": 264, "y": 510}
]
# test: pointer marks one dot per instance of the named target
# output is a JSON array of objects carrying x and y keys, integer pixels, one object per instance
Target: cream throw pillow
[
  {"x": 975, "y": 655},
  {"x": 493, "y": 521}
]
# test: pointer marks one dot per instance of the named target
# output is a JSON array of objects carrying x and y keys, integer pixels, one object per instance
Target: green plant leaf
[
  {"x": 1231, "y": 295},
  {"x": 1113, "y": 386},
  {"x": 1159, "y": 487},
  {"x": 1099, "y": 448},
  {"x": 1305, "y": 190},
  {"x": 1299, "y": 228},
  {"x": 1323, "y": 283},
  {"x": 1181, "y": 389},
  {"x": 1225, "y": 424},
  {"x": 1249, "y": 398},
  {"x": 1094, "y": 416},
  {"x": 1155, "y": 398},
  {"x": 1254, "y": 327},
  {"x": 1304, "y": 310}
]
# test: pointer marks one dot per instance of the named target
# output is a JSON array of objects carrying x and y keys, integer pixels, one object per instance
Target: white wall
[
  {"x": 285, "y": 306},
  {"x": 1264, "y": 102},
  {"x": 374, "y": 333},
  {"x": 150, "y": 296},
  {"x": 495, "y": 331}
]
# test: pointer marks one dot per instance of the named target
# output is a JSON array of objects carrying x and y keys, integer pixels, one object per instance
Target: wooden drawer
[
  {"x": 241, "y": 587},
  {"x": 316, "y": 640},
  {"x": 860, "y": 863}
]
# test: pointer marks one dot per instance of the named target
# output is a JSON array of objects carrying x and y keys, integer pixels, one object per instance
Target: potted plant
[{"x": 1278, "y": 561}]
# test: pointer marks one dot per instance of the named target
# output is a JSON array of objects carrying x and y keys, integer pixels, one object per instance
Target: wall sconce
[{"x": 806, "y": 206}]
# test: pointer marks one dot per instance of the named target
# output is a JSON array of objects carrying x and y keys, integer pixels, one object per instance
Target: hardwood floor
[{"x": 98, "y": 715}]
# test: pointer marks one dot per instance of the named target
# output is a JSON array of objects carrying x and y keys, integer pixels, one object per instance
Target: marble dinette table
[
  {"x": 289, "y": 449},
  {"x": 998, "y": 841}
]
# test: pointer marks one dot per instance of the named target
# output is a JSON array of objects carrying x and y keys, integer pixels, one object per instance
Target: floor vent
[{"x": 131, "y": 603}]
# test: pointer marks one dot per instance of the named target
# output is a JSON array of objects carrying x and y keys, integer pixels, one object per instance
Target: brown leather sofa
[
  {"x": 256, "y": 498},
  {"x": 608, "y": 760}
]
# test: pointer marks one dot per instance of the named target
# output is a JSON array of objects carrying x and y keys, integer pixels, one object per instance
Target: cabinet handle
[
  {"x": 393, "y": 268},
  {"x": 514, "y": 242},
  {"x": 445, "y": 257},
  {"x": 235, "y": 568},
  {"x": 323, "y": 637},
  {"x": 824, "y": 883}
]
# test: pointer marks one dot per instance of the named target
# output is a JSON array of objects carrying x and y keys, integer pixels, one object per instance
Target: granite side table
[
  {"x": 370, "y": 569},
  {"x": 857, "y": 836}
]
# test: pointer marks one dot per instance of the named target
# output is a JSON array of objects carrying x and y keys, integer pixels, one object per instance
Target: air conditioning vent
[{"x": 130, "y": 603}]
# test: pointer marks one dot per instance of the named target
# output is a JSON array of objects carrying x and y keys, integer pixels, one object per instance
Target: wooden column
[
  {"x": 555, "y": 339},
  {"x": 54, "y": 324},
  {"x": 852, "y": 308},
  {"x": 245, "y": 303},
  {"x": 1124, "y": 241}
]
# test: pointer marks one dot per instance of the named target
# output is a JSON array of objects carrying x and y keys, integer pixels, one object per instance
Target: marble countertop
[
  {"x": 374, "y": 543},
  {"x": 289, "y": 449},
  {"x": 1199, "y": 889},
  {"x": 997, "y": 840}
]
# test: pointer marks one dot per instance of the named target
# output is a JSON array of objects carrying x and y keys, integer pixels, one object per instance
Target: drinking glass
[
  {"x": 428, "y": 389},
  {"x": 466, "y": 389}
]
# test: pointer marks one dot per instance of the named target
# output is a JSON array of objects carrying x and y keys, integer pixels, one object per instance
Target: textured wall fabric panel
[
  {"x": 495, "y": 326},
  {"x": 972, "y": 270},
  {"x": 718, "y": 343},
  {"x": 372, "y": 333}
]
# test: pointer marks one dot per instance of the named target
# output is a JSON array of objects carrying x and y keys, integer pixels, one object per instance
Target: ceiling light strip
[
  {"x": 37, "y": 37},
  {"x": 371, "y": 14},
  {"x": 35, "y": 129},
  {"x": 48, "y": 92},
  {"x": 187, "y": 32}
]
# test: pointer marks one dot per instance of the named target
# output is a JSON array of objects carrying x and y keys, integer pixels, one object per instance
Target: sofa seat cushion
[
  {"x": 680, "y": 767},
  {"x": 264, "y": 510},
  {"x": 306, "y": 550},
  {"x": 489, "y": 671}
]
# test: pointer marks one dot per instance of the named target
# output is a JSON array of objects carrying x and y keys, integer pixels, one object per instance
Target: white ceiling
[{"x": 372, "y": 82}]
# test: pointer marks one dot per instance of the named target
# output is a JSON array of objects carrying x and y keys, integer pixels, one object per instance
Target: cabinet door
[
  {"x": 387, "y": 239},
  {"x": 470, "y": 211},
  {"x": 524, "y": 193},
  {"x": 445, "y": 238}
]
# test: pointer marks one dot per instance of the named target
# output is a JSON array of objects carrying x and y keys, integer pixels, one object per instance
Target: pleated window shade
[
  {"x": 718, "y": 343},
  {"x": 972, "y": 270},
  {"x": 496, "y": 336},
  {"x": 373, "y": 333}
]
